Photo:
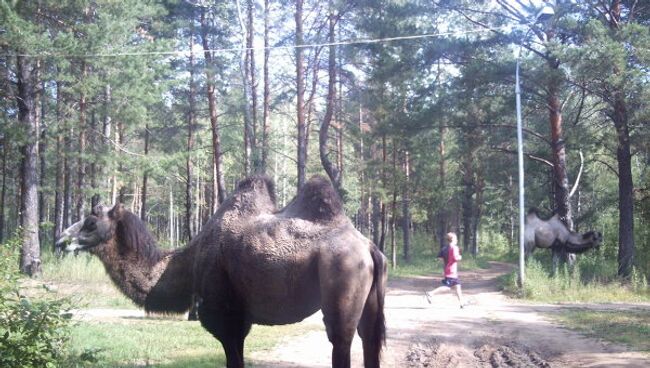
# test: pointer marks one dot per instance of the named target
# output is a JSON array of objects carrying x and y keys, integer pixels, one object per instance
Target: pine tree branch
[{"x": 529, "y": 155}]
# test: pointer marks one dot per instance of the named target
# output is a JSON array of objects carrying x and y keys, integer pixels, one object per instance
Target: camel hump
[
  {"x": 317, "y": 201},
  {"x": 258, "y": 183}
]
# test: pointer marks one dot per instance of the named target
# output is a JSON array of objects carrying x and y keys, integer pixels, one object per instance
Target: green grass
[
  {"x": 81, "y": 278},
  {"x": 631, "y": 328},
  {"x": 163, "y": 343},
  {"x": 580, "y": 285}
]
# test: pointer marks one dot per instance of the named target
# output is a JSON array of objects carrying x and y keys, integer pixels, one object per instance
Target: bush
[{"x": 32, "y": 333}]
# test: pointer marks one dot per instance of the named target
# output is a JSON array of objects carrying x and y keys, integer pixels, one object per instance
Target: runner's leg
[{"x": 459, "y": 294}]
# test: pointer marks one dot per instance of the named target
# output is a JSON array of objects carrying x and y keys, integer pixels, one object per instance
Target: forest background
[{"x": 408, "y": 106}]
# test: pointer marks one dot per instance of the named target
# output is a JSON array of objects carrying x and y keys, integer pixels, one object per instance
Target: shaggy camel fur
[
  {"x": 253, "y": 264},
  {"x": 553, "y": 233}
]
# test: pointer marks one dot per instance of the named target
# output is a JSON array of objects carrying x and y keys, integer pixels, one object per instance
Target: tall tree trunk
[
  {"x": 406, "y": 208},
  {"x": 393, "y": 210},
  {"x": 339, "y": 117},
  {"x": 560, "y": 179},
  {"x": 626, "y": 247},
  {"x": 244, "y": 66},
  {"x": 468, "y": 192},
  {"x": 266, "y": 94},
  {"x": 58, "y": 186},
  {"x": 30, "y": 262},
  {"x": 81, "y": 164},
  {"x": 106, "y": 132},
  {"x": 323, "y": 136},
  {"x": 6, "y": 84},
  {"x": 363, "y": 213},
  {"x": 256, "y": 160},
  {"x": 300, "y": 98},
  {"x": 67, "y": 178},
  {"x": 478, "y": 209},
  {"x": 145, "y": 177},
  {"x": 171, "y": 217},
  {"x": 218, "y": 184},
  {"x": 382, "y": 237},
  {"x": 40, "y": 102},
  {"x": 93, "y": 142},
  {"x": 190, "y": 145},
  {"x": 442, "y": 175},
  {"x": 3, "y": 189}
]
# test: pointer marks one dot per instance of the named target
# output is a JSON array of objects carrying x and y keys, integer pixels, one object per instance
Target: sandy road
[{"x": 493, "y": 332}]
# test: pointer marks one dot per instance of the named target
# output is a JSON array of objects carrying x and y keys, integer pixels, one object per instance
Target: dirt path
[{"x": 493, "y": 332}]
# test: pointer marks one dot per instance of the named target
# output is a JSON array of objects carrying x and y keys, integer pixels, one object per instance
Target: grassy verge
[
  {"x": 631, "y": 328},
  {"x": 162, "y": 343},
  {"x": 581, "y": 284},
  {"x": 80, "y": 278}
]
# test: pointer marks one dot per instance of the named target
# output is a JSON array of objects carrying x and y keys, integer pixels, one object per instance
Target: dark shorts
[{"x": 450, "y": 281}]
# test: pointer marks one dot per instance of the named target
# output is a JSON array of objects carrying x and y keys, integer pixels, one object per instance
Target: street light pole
[
  {"x": 544, "y": 15},
  {"x": 520, "y": 157}
]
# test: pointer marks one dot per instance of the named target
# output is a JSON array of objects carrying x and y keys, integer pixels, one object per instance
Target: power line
[{"x": 234, "y": 49}]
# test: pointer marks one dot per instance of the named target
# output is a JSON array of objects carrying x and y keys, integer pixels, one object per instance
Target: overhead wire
[{"x": 239, "y": 49}]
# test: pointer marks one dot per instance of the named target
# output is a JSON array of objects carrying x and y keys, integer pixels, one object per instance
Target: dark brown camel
[
  {"x": 253, "y": 264},
  {"x": 553, "y": 233}
]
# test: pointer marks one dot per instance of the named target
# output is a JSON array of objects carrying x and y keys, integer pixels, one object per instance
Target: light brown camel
[
  {"x": 253, "y": 264},
  {"x": 553, "y": 233}
]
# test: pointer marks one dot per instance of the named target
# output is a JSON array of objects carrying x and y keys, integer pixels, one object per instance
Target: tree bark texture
[
  {"x": 406, "y": 208},
  {"x": 383, "y": 221},
  {"x": 626, "y": 247},
  {"x": 3, "y": 189},
  {"x": 58, "y": 186},
  {"x": 40, "y": 102},
  {"x": 218, "y": 184},
  {"x": 300, "y": 98},
  {"x": 442, "y": 213},
  {"x": 256, "y": 159},
  {"x": 30, "y": 262},
  {"x": 323, "y": 136},
  {"x": 190, "y": 144},
  {"x": 266, "y": 94},
  {"x": 145, "y": 178},
  {"x": 560, "y": 178},
  {"x": 81, "y": 162}
]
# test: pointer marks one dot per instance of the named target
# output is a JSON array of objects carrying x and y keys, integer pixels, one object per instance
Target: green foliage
[{"x": 33, "y": 333}]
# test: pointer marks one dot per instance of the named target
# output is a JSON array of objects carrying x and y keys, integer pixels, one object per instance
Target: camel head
[
  {"x": 595, "y": 238},
  {"x": 94, "y": 230},
  {"x": 579, "y": 243}
]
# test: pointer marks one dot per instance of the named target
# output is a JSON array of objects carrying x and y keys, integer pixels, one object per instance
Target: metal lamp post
[
  {"x": 520, "y": 158},
  {"x": 544, "y": 14}
]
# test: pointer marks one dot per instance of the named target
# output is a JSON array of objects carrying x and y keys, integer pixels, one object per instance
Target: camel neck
[{"x": 159, "y": 284}]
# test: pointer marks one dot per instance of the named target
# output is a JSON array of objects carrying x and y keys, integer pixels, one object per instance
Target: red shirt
[{"x": 451, "y": 268}]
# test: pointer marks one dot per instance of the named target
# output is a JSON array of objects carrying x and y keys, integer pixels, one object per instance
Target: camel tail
[{"x": 375, "y": 307}]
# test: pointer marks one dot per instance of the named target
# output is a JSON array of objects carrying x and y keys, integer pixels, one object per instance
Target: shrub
[{"x": 32, "y": 333}]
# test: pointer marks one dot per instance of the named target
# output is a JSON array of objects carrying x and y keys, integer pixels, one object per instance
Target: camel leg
[
  {"x": 340, "y": 332},
  {"x": 342, "y": 307},
  {"x": 231, "y": 329},
  {"x": 368, "y": 330}
]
